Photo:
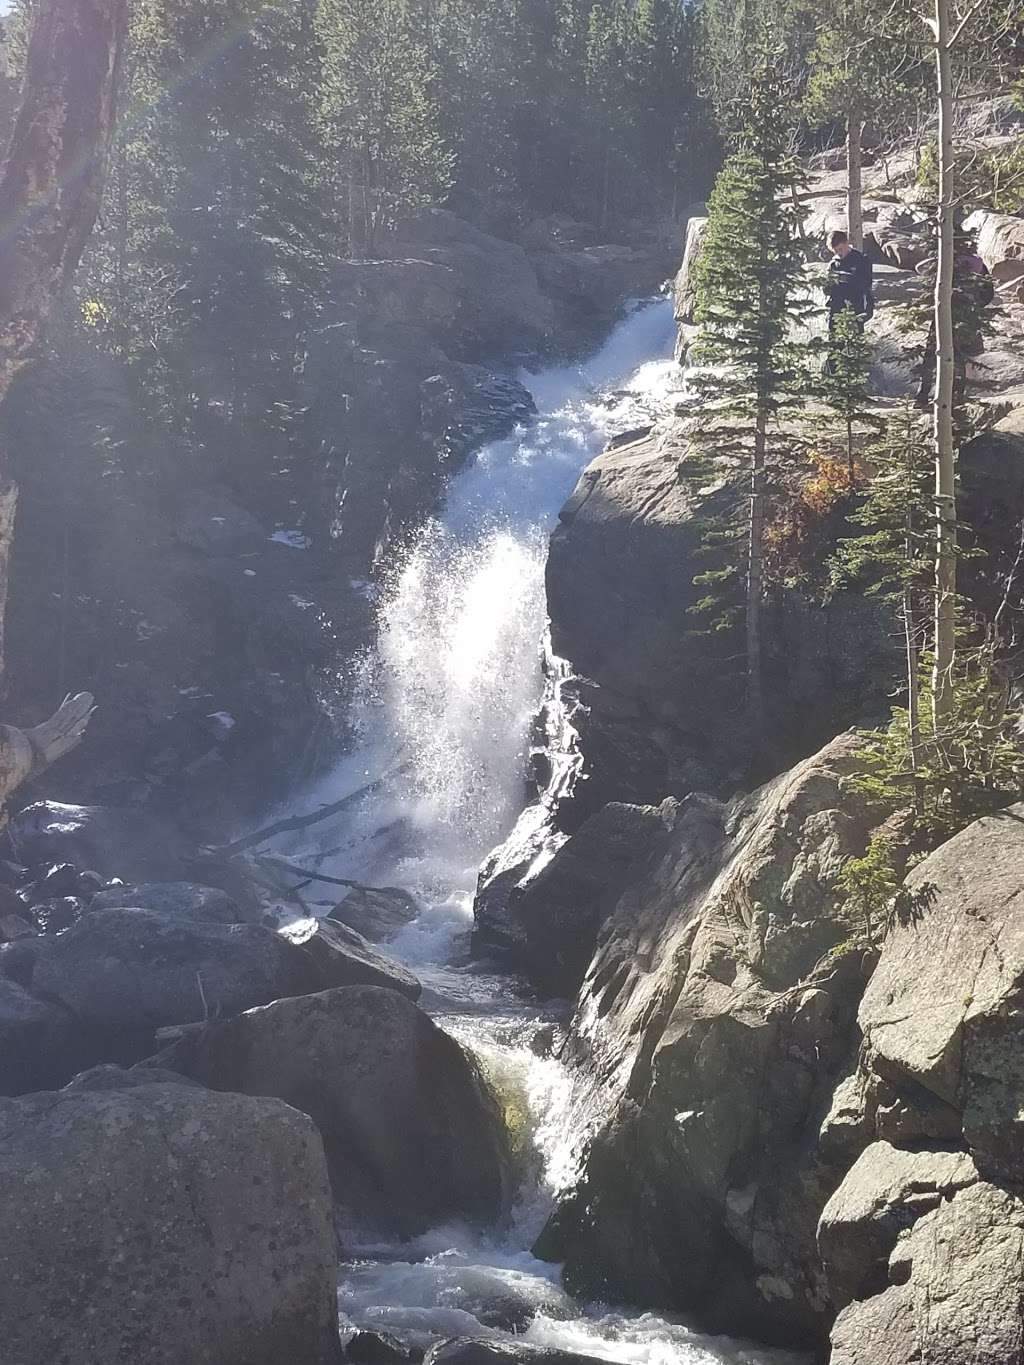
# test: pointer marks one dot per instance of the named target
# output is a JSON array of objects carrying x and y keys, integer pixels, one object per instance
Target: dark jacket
[{"x": 849, "y": 282}]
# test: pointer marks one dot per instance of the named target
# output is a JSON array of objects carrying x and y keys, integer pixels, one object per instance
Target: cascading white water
[{"x": 445, "y": 708}]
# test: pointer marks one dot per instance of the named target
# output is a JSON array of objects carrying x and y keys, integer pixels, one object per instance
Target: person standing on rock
[{"x": 848, "y": 285}]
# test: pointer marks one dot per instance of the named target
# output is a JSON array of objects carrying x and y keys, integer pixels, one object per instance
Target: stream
[{"x": 447, "y": 697}]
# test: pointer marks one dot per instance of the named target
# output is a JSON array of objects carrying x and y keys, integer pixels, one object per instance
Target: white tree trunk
[
  {"x": 945, "y": 455},
  {"x": 854, "y": 206}
]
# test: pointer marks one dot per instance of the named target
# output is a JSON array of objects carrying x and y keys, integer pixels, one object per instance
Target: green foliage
[
  {"x": 893, "y": 552},
  {"x": 750, "y": 299},
  {"x": 873, "y": 889},
  {"x": 985, "y": 177},
  {"x": 844, "y": 383},
  {"x": 378, "y": 103},
  {"x": 974, "y": 766}
]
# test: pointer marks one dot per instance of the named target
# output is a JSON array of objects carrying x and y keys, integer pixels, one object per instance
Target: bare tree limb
[{"x": 296, "y": 822}]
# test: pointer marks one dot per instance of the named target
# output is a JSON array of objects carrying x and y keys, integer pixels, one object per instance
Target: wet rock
[
  {"x": 214, "y": 1211},
  {"x": 465, "y": 1351},
  {"x": 59, "y": 880},
  {"x": 376, "y": 912},
  {"x": 550, "y": 918},
  {"x": 186, "y": 900},
  {"x": 412, "y": 1134},
  {"x": 57, "y": 915},
  {"x": 379, "y": 1348},
  {"x": 214, "y": 525},
  {"x": 332, "y": 954},
  {"x": 107, "y": 838}
]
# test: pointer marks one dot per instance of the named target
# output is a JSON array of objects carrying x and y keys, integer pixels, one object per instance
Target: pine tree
[
  {"x": 893, "y": 556},
  {"x": 750, "y": 306},
  {"x": 845, "y": 380},
  {"x": 379, "y": 105}
]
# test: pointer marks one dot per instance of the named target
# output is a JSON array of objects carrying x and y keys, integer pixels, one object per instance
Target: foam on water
[{"x": 445, "y": 709}]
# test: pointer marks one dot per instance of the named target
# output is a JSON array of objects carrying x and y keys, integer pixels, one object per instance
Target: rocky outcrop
[
  {"x": 925, "y": 1232},
  {"x": 547, "y": 917},
  {"x": 713, "y": 1022},
  {"x": 185, "y": 900},
  {"x": 412, "y": 1134},
  {"x": 685, "y": 287},
  {"x": 378, "y": 913},
  {"x": 121, "y": 974},
  {"x": 164, "y": 1225},
  {"x": 657, "y": 713}
]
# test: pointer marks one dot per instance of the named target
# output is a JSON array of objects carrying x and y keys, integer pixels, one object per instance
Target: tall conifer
[{"x": 751, "y": 307}]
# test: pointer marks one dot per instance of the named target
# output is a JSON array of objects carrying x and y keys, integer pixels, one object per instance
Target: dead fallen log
[
  {"x": 295, "y": 822},
  {"x": 26, "y": 753}
]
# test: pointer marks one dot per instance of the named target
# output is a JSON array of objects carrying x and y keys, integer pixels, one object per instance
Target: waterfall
[{"x": 445, "y": 706}]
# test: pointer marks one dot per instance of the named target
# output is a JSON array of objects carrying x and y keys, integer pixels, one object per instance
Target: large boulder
[
  {"x": 376, "y": 912},
  {"x": 498, "y": 300},
  {"x": 685, "y": 288},
  {"x": 186, "y": 900},
  {"x": 1000, "y": 240},
  {"x": 164, "y": 1225},
  {"x": 549, "y": 919},
  {"x": 956, "y": 1290},
  {"x": 885, "y": 1192},
  {"x": 41, "y": 1042},
  {"x": 660, "y": 715},
  {"x": 413, "y": 1135},
  {"x": 124, "y": 973},
  {"x": 713, "y": 1022},
  {"x": 927, "y": 1225},
  {"x": 940, "y": 1014}
]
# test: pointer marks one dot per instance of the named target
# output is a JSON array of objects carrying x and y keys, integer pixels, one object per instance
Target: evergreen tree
[
  {"x": 845, "y": 381},
  {"x": 378, "y": 104},
  {"x": 892, "y": 558},
  {"x": 750, "y": 306}
]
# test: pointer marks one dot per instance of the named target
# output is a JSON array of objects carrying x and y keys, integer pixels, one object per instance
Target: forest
[{"x": 511, "y": 681}]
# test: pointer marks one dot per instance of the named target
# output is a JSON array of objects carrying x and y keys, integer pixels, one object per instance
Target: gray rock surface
[
  {"x": 121, "y": 974},
  {"x": 186, "y": 900},
  {"x": 376, "y": 913},
  {"x": 660, "y": 716},
  {"x": 956, "y": 1295},
  {"x": 549, "y": 921},
  {"x": 885, "y": 1192},
  {"x": 164, "y": 1225},
  {"x": 413, "y": 1136},
  {"x": 711, "y": 1027},
  {"x": 41, "y": 1042}
]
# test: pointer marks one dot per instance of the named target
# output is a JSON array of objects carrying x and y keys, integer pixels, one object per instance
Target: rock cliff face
[
  {"x": 715, "y": 1017},
  {"x": 923, "y": 1241}
]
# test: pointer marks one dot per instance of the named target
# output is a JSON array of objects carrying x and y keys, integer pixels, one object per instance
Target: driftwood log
[{"x": 25, "y": 753}]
